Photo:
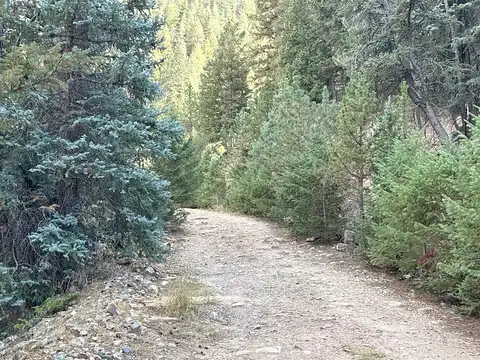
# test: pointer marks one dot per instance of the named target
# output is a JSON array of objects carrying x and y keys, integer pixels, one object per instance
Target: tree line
[{"x": 328, "y": 116}]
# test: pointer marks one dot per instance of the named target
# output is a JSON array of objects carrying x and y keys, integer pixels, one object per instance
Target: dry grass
[
  {"x": 364, "y": 353},
  {"x": 372, "y": 355},
  {"x": 185, "y": 297}
]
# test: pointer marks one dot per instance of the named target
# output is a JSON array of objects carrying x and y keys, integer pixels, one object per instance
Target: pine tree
[
  {"x": 77, "y": 135},
  {"x": 266, "y": 34},
  {"x": 353, "y": 132},
  {"x": 223, "y": 91},
  {"x": 310, "y": 37}
]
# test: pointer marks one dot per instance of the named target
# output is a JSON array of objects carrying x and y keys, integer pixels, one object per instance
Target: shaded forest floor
[{"x": 244, "y": 289}]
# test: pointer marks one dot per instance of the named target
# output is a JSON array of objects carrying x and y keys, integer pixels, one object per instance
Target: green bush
[
  {"x": 307, "y": 197},
  {"x": 288, "y": 175},
  {"x": 211, "y": 192},
  {"x": 181, "y": 170},
  {"x": 250, "y": 191},
  {"x": 248, "y": 187},
  {"x": 425, "y": 200},
  {"x": 461, "y": 273},
  {"x": 406, "y": 207},
  {"x": 50, "y": 306}
]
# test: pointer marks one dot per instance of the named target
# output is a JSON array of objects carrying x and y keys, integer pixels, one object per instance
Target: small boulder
[
  {"x": 150, "y": 270},
  {"x": 127, "y": 350},
  {"x": 136, "y": 328},
  {"x": 112, "y": 309}
]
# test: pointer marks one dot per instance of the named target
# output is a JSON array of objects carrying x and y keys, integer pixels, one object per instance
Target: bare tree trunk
[
  {"x": 361, "y": 192},
  {"x": 425, "y": 105},
  {"x": 2, "y": 32},
  {"x": 3, "y": 7},
  {"x": 416, "y": 87},
  {"x": 435, "y": 123}
]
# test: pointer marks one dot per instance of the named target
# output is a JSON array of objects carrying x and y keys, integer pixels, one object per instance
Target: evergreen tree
[
  {"x": 287, "y": 175},
  {"x": 264, "y": 50},
  {"x": 223, "y": 91},
  {"x": 191, "y": 38},
  {"x": 353, "y": 133},
  {"x": 310, "y": 38},
  {"x": 77, "y": 133}
]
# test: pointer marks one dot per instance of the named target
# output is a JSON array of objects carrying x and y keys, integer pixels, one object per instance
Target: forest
[{"x": 323, "y": 116}]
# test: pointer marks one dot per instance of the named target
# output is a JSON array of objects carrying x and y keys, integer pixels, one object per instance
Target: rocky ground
[{"x": 239, "y": 288}]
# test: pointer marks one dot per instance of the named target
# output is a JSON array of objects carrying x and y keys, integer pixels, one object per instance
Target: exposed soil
[{"x": 271, "y": 297}]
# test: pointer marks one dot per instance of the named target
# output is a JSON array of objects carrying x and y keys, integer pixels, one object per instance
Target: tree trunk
[
  {"x": 361, "y": 193},
  {"x": 3, "y": 6},
  {"x": 418, "y": 99}
]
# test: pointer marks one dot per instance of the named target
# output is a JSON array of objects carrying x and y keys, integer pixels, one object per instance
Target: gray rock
[
  {"x": 60, "y": 356},
  {"x": 270, "y": 350},
  {"x": 136, "y": 328},
  {"x": 112, "y": 309},
  {"x": 127, "y": 350},
  {"x": 124, "y": 296},
  {"x": 341, "y": 247},
  {"x": 75, "y": 331}
]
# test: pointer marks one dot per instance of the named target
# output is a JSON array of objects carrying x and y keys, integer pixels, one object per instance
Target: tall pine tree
[{"x": 224, "y": 90}]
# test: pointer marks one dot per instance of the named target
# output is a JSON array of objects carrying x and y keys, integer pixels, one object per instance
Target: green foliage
[
  {"x": 308, "y": 137},
  {"x": 426, "y": 200},
  {"x": 306, "y": 196},
  {"x": 191, "y": 38},
  {"x": 353, "y": 133},
  {"x": 55, "y": 304},
  {"x": 391, "y": 125},
  {"x": 264, "y": 52},
  {"x": 311, "y": 32},
  {"x": 287, "y": 174},
  {"x": 211, "y": 192},
  {"x": 429, "y": 45},
  {"x": 249, "y": 190},
  {"x": 462, "y": 225},
  {"x": 50, "y": 306},
  {"x": 406, "y": 206},
  {"x": 223, "y": 91},
  {"x": 77, "y": 138},
  {"x": 182, "y": 171}
]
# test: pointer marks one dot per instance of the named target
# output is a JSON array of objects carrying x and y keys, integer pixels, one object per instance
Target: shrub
[
  {"x": 287, "y": 174},
  {"x": 211, "y": 192},
  {"x": 406, "y": 207},
  {"x": 307, "y": 197},
  {"x": 460, "y": 273}
]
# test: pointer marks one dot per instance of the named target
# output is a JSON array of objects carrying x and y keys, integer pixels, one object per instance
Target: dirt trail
[
  {"x": 273, "y": 298},
  {"x": 278, "y": 299}
]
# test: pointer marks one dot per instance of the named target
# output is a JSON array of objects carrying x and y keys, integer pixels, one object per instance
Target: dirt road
[
  {"x": 261, "y": 296},
  {"x": 278, "y": 299}
]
